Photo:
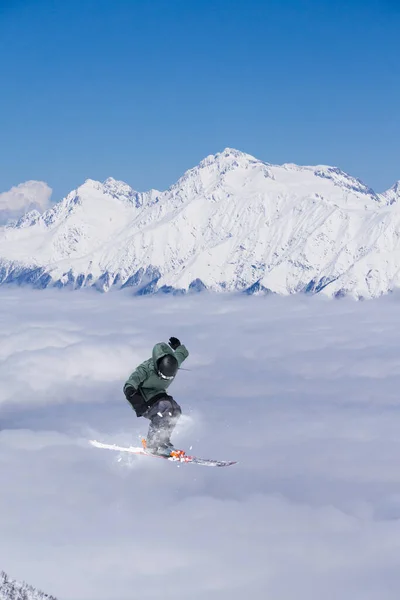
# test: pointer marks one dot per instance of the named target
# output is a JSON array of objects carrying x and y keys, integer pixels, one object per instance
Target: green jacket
[{"x": 145, "y": 378}]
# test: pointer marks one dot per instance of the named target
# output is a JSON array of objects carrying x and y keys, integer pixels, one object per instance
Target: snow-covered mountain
[
  {"x": 231, "y": 223},
  {"x": 12, "y": 590}
]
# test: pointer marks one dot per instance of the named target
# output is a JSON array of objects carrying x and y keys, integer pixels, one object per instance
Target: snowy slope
[
  {"x": 12, "y": 590},
  {"x": 231, "y": 223}
]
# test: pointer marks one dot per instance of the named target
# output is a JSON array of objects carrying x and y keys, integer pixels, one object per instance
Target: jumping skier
[{"x": 145, "y": 390}]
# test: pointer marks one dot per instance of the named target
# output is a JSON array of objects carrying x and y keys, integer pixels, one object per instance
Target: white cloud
[
  {"x": 24, "y": 197},
  {"x": 303, "y": 393}
]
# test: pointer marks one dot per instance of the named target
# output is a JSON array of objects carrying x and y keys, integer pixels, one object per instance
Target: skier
[{"x": 145, "y": 390}]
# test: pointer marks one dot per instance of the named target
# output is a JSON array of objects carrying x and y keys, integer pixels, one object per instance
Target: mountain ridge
[{"x": 231, "y": 223}]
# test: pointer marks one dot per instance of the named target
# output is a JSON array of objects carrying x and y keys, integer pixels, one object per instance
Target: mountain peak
[
  {"x": 232, "y": 152},
  {"x": 392, "y": 195},
  {"x": 115, "y": 188},
  {"x": 229, "y": 156},
  {"x": 212, "y": 171},
  {"x": 110, "y": 187}
]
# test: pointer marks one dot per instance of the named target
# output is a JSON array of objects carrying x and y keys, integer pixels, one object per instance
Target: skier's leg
[
  {"x": 163, "y": 416},
  {"x": 158, "y": 434},
  {"x": 173, "y": 415}
]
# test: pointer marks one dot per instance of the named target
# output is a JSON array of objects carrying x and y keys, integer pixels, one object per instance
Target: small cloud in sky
[{"x": 23, "y": 198}]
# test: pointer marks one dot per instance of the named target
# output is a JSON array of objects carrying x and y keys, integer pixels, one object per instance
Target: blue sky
[{"x": 141, "y": 91}]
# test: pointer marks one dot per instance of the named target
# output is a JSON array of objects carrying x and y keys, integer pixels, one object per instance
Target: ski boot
[{"x": 163, "y": 449}]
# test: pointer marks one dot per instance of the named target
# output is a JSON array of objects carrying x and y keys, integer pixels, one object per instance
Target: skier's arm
[
  {"x": 180, "y": 351},
  {"x": 181, "y": 354},
  {"x": 137, "y": 377}
]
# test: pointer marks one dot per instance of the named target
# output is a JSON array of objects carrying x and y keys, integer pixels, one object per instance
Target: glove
[
  {"x": 129, "y": 391},
  {"x": 135, "y": 400},
  {"x": 174, "y": 343}
]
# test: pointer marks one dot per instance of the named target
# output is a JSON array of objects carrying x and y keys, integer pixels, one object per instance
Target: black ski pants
[{"x": 163, "y": 414}]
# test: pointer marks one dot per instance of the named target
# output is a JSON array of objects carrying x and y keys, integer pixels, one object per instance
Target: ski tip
[{"x": 95, "y": 443}]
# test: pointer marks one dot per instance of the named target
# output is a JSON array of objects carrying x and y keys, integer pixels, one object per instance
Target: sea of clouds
[{"x": 303, "y": 392}]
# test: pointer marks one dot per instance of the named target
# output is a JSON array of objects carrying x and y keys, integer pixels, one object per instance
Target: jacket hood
[{"x": 161, "y": 349}]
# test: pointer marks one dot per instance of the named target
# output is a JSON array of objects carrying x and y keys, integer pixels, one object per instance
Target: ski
[{"x": 176, "y": 455}]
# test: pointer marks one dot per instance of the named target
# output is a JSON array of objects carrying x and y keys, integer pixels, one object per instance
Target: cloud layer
[
  {"x": 24, "y": 197},
  {"x": 302, "y": 392}
]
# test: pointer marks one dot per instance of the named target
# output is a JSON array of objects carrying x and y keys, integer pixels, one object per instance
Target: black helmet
[{"x": 167, "y": 366}]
